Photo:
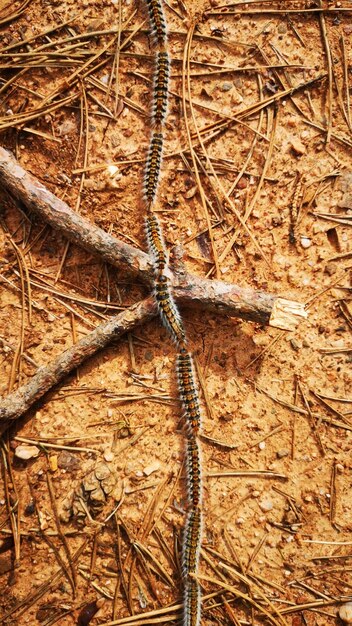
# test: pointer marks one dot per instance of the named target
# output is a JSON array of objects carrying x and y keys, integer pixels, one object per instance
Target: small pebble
[
  {"x": 306, "y": 242},
  {"x": 236, "y": 97},
  {"x": 345, "y": 612},
  {"x": 261, "y": 445},
  {"x": 266, "y": 505},
  {"x": 27, "y": 452},
  {"x": 226, "y": 86},
  {"x": 261, "y": 340},
  {"x": 298, "y": 147},
  {"x": 282, "y": 453},
  {"x": 68, "y": 461},
  {"x": 296, "y": 344},
  {"x": 150, "y": 469},
  {"x": 109, "y": 456}
]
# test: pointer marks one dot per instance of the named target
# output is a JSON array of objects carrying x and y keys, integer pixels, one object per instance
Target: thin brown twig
[
  {"x": 18, "y": 402},
  {"x": 222, "y": 298}
]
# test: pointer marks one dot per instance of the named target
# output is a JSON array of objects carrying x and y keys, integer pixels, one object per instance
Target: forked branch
[
  {"x": 217, "y": 296},
  {"x": 213, "y": 295}
]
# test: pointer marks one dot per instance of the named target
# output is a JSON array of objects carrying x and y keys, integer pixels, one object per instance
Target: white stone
[
  {"x": 266, "y": 505},
  {"x": 345, "y": 612},
  {"x": 153, "y": 467},
  {"x": 306, "y": 242},
  {"x": 25, "y": 452}
]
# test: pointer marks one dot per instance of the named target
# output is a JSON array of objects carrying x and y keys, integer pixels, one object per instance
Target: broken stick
[
  {"x": 18, "y": 402},
  {"x": 213, "y": 295}
]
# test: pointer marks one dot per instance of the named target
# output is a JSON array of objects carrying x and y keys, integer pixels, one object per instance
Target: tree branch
[
  {"x": 214, "y": 295},
  {"x": 17, "y": 403},
  {"x": 222, "y": 298}
]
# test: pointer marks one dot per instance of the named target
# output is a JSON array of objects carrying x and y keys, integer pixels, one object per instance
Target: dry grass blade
[
  {"x": 273, "y": 11},
  {"x": 45, "y": 444},
  {"x": 272, "y": 116},
  {"x": 248, "y": 599},
  {"x": 244, "y": 473},
  {"x": 12, "y": 503},
  {"x": 218, "y": 186},
  {"x": 186, "y": 95},
  {"x": 330, "y": 76},
  {"x": 297, "y": 409},
  {"x": 25, "y": 281},
  {"x": 16, "y": 13},
  {"x": 138, "y": 546},
  {"x": 48, "y": 539},
  {"x": 23, "y": 118},
  {"x": 253, "y": 587},
  {"x": 121, "y": 579}
]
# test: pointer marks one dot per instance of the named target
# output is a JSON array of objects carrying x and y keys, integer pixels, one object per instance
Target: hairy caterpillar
[
  {"x": 188, "y": 390},
  {"x": 157, "y": 19},
  {"x": 152, "y": 173},
  {"x": 168, "y": 310},
  {"x": 161, "y": 88},
  {"x": 192, "y": 603},
  {"x": 172, "y": 320},
  {"x": 192, "y": 541},
  {"x": 194, "y": 477},
  {"x": 156, "y": 243}
]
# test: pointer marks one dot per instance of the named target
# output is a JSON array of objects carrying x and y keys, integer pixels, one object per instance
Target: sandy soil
[{"x": 95, "y": 519}]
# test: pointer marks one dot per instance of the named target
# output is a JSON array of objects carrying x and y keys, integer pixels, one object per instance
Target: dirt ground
[{"x": 93, "y": 522}]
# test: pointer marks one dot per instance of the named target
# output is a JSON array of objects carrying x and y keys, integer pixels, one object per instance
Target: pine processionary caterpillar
[
  {"x": 152, "y": 173},
  {"x": 167, "y": 307},
  {"x": 168, "y": 310},
  {"x": 192, "y": 541},
  {"x": 194, "y": 477},
  {"x": 172, "y": 320},
  {"x": 188, "y": 390},
  {"x": 158, "y": 22},
  {"x": 192, "y": 604},
  {"x": 156, "y": 243},
  {"x": 161, "y": 88}
]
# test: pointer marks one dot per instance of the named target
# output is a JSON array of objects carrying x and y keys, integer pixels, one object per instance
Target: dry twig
[{"x": 222, "y": 298}]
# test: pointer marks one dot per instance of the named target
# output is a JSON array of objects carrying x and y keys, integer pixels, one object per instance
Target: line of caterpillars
[{"x": 173, "y": 322}]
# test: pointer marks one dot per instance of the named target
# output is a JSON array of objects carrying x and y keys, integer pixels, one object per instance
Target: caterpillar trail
[
  {"x": 173, "y": 322},
  {"x": 156, "y": 244},
  {"x": 192, "y": 542},
  {"x": 188, "y": 390},
  {"x": 168, "y": 309},
  {"x": 152, "y": 173},
  {"x": 161, "y": 88},
  {"x": 194, "y": 475},
  {"x": 158, "y": 22},
  {"x": 192, "y": 604}
]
